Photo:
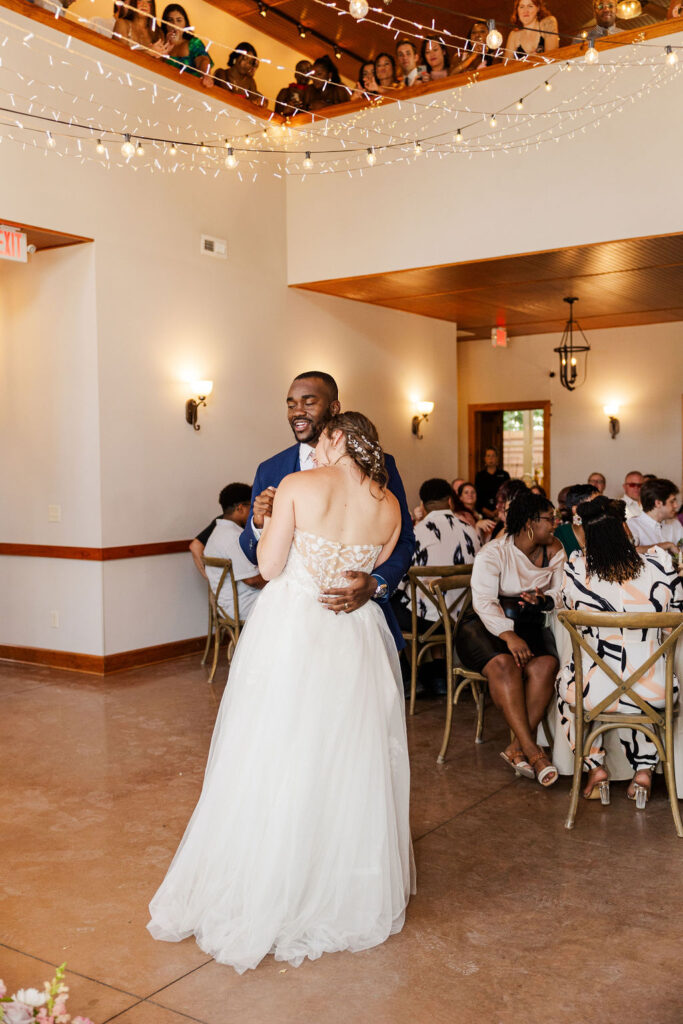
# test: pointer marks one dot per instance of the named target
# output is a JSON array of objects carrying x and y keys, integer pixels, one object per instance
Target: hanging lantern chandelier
[{"x": 573, "y": 354}]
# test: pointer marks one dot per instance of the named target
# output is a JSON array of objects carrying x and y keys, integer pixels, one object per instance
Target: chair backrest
[
  {"x": 418, "y": 574},
  {"x": 452, "y": 617},
  {"x": 226, "y": 565},
  {"x": 622, "y": 620}
]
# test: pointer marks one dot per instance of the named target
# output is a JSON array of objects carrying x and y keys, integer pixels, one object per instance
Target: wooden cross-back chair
[
  {"x": 419, "y": 577},
  {"x": 657, "y": 725},
  {"x": 457, "y": 676},
  {"x": 219, "y": 621}
]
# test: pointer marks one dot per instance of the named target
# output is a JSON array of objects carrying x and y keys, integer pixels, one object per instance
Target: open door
[{"x": 521, "y": 433}]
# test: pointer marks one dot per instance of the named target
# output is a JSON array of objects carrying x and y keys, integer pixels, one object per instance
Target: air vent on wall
[{"x": 217, "y": 247}]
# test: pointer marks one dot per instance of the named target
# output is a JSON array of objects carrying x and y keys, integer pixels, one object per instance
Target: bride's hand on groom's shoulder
[{"x": 348, "y": 599}]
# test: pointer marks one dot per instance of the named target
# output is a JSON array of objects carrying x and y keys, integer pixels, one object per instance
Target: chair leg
[
  {"x": 209, "y": 636},
  {"x": 578, "y": 766},
  {"x": 670, "y": 778},
  {"x": 449, "y": 720},
  {"x": 480, "y": 695},
  {"x": 216, "y": 648},
  {"x": 413, "y": 675}
]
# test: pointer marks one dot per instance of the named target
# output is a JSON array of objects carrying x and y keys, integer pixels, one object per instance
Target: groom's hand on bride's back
[
  {"x": 347, "y": 599},
  {"x": 263, "y": 506}
]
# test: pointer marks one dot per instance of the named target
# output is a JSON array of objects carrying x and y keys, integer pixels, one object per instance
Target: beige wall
[{"x": 640, "y": 368}]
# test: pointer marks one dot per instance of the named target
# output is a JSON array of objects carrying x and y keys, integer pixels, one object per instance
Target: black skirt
[{"x": 476, "y": 646}]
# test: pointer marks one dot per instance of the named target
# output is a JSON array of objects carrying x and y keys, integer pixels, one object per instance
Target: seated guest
[
  {"x": 367, "y": 81},
  {"x": 476, "y": 54},
  {"x": 440, "y": 539},
  {"x": 138, "y": 25},
  {"x": 633, "y": 482},
  {"x": 456, "y": 483},
  {"x": 180, "y": 46},
  {"x": 468, "y": 498},
  {"x": 507, "y": 492},
  {"x": 239, "y": 74},
  {"x": 534, "y": 29},
  {"x": 570, "y": 533},
  {"x": 515, "y": 580},
  {"x": 406, "y": 57},
  {"x": 291, "y": 99},
  {"x": 224, "y": 542},
  {"x": 563, "y": 513},
  {"x": 605, "y": 12},
  {"x": 613, "y": 576},
  {"x": 487, "y": 481},
  {"x": 385, "y": 72},
  {"x": 325, "y": 86},
  {"x": 434, "y": 56},
  {"x": 598, "y": 481},
  {"x": 657, "y": 523}
]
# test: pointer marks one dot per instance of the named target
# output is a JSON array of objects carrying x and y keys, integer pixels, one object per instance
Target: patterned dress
[
  {"x": 441, "y": 539},
  {"x": 657, "y": 589}
]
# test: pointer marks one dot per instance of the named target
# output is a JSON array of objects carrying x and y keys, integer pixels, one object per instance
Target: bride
[{"x": 300, "y": 843}]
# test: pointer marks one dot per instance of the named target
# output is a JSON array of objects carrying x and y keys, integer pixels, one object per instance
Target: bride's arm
[{"x": 278, "y": 531}]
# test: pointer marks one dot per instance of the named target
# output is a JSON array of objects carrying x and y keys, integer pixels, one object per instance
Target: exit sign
[
  {"x": 499, "y": 337},
  {"x": 12, "y": 244}
]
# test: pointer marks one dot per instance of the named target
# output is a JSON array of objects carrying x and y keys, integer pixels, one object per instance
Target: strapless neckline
[{"x": 337, "y": 543}]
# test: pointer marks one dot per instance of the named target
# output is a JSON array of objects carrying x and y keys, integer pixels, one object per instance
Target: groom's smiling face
[{"x": 309, "y": 408}]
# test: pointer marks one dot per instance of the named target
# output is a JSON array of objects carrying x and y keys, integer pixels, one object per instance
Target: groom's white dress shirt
[{"x": 306, "y": 461}]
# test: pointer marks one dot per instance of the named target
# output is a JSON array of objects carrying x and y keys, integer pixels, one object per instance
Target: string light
[
  {"x": 671, "y": 55},
  {"x": 337, "y": 53},
  {"x": 302, "y": 31},
  {"x": 127, "y": 148},
  {"x": 308, "y": 163},
  {"x": 231, "y": 160},
  {"x": 548, "y": 86},
  {"x": 139, "y": 149},
  {"x": 458, "y": 137},
  {"x": 592, "y": 55},
  {"x": 263, "y": 10},
  {"x": 99, "y": 148},
  {"x": 492, "y": 121},
  {"x": 520, "y": 104},
  {"x": 417, "y": 149},
  {"x": 371, "y": 157},
  {"x": 358, "y": 9},
  {"x": 203, "y": 149},
  {"x": 494, "y": 39},
  {"x": 50, "y": 141},
  {"x": 172, "y": 149}
]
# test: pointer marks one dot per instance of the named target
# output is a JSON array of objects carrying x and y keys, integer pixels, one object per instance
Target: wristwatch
[{"x": 382, "y": 590}]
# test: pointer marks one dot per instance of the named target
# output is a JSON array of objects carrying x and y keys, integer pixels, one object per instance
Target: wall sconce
[
  {"x": 202, "y": 389},
  {"x": 612, "y": 411},
  {"x": 423, "y": 411}
]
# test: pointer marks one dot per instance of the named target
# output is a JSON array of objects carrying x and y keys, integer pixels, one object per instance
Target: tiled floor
[{"x": 516, "y": 920}]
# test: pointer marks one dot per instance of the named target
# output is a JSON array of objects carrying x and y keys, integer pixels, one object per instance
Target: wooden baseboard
[{"x": 99, "y": 665}]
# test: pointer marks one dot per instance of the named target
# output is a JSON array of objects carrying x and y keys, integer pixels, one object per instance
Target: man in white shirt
[
  {"x": 224, "y": 542},
  {"x": 633, "y": 482},
  {"x": 657, "y": 523},
  {"x": 406, "y": 58}
]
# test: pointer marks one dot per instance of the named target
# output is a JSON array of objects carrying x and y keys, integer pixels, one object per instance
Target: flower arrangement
[{"x": 32, "y": 1004}]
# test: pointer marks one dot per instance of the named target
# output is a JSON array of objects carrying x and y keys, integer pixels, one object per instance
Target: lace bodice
[{"x": 323, "y": 562}]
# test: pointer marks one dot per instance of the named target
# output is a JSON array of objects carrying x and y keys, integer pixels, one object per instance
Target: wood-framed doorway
[{"x": 485, "y": 430}]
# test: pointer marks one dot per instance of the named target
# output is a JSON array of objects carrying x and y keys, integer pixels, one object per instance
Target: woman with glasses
[
  {"x": 239, "y": 74},
  {"x": 516, "y": 579}
]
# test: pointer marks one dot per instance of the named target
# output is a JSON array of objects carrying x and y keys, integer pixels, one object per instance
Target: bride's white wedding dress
[{"x": 300, "y": 843}]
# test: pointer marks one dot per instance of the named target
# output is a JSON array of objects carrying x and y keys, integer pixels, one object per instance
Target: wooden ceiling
[
  {"x": 364, "y": 40},
  {"x": 619, "y": 284}
]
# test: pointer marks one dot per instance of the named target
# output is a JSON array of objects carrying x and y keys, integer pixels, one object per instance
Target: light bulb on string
[
  {"x": 337, "y": 53},
  {"x": 358, "y": 9},
  {"x": 50, "y": 141},
  {"x": 203, "y": 148},
  {"x": 458, "y": 137},
  {"x": 172, "y": 149},
  {"x": 302, "y": 31},
  {"x": 592, "y": 56},
  {"x": 248, "y": 140},
  {"x": 492, "y": 120},
  {"x": 263, "y": 10},
  {"x": 371, "y": 157},
  {"x": 494, "y": 39},
  {"x": 99, "y": 148},
  {"x": 127, "y": 147},
  {"x": 226, "y": 143},
  {"x": 671, "y": 55},
  {"x": 548, "y": 86},
  {"x": 520, "y": 104},
  {"x": 139, "y": 149},
  {"x": 308, "y": 163},
  {"x": 231, "y": 159},
  {"x": 417, "y": 149}
]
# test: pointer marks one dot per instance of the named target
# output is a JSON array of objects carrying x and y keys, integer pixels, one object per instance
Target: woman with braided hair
[{"x": 300, "y": 843}]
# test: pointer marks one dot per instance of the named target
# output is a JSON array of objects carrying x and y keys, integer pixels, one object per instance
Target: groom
[{"x": 312, "y": 401}]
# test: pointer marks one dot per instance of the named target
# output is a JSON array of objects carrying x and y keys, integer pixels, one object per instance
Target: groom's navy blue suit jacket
[{"x": 271, "y": 473}]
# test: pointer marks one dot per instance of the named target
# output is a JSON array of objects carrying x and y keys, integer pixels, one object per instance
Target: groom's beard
[{"x": 314, "y": 431}]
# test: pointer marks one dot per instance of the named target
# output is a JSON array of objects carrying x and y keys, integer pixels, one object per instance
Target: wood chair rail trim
[{"x": 82, "y": 554}]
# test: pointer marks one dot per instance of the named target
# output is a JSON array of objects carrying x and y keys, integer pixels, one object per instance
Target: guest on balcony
[
  {"x": 476, "y": 54},
  {"x": 385, "y": 71},
  {"x": 325, "y": 86},
  {"x": 367, "y": 84},
  {"x": 435, "y": 58},
  {"x": 406, "y": 57},
  {"x": 181, "y": 47},
  {"x": 290, "y": 100},
  {"x": 605, "y": 12},
  {"x": 135, "y": 25},
  {"x": 239, "y": 74},
  {"x": 534, "y": 29}
]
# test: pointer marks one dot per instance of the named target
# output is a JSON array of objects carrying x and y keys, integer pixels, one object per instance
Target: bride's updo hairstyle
[
  {"x": 362, "y": 444},
  {"x": 610, "y": 553}
]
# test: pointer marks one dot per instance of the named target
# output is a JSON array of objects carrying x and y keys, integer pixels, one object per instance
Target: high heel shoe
[
  {"x": 640, "y": 793},
  {"x": 599, "y": 790}
]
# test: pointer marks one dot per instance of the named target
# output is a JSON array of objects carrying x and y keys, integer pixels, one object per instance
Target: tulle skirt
[{"x": 300, "y": 843}]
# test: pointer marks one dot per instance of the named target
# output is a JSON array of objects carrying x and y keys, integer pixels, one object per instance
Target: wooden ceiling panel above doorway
[{"x": 622, "y": 283}]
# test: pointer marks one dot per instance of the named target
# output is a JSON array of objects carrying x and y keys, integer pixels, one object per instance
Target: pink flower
[
  {"x": 17, "y": 1013},
  {"x": 59, "y": 1008}
]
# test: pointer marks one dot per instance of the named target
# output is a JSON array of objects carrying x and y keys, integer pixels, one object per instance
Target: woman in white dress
[{"x": 300, "y": 843}]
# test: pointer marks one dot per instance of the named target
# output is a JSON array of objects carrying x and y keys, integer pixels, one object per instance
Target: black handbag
[{"x": 521, "y": 611}]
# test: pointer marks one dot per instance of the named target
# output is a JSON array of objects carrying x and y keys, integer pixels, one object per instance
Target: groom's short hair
[{"x": 326, "y": 378}]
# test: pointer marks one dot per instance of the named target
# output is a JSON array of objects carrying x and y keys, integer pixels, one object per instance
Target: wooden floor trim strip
[
  {"x": 98, "y": 665},
  {"x": 166, "y": 547}
]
